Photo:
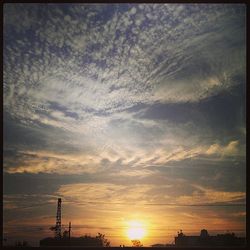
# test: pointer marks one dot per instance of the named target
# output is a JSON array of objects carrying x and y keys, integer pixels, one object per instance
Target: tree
[
  {"x": 105, "y": 242},
  {"x": 136, "y": 243},
  {"x": 66, "y": 234}
]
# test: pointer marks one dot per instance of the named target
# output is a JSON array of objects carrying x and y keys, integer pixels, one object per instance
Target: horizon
[{"x": 133, "y": 114}]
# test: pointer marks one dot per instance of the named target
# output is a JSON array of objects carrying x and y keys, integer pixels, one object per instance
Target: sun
[{"x": 135, "y": 230}]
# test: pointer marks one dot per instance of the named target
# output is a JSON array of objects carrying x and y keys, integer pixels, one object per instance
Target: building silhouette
[{"x": 204, "y": 239}]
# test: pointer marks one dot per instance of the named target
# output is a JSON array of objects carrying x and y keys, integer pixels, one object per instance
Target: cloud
[
  {"x": 136, "y": 83},
  {"x": 108, "y": 194},
  {"x": 205, "y": 195},
  {"x": 71, "y": 78},
  {"x": 120, "y": 141},
  {"x": 230, "y": 149},
  {"x": 132, "y": 73},
  {"x": 104, "y": 193},
  {"x": 48, "y": 162}
]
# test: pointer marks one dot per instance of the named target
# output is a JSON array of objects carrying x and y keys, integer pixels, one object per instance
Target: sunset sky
[{"x": 133, "y": 114}]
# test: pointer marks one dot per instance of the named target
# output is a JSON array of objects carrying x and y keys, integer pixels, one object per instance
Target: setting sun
[{"x": 136, "y": 230}]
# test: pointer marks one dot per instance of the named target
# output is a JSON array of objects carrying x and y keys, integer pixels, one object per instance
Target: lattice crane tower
[{"x": 58, "y": 228}]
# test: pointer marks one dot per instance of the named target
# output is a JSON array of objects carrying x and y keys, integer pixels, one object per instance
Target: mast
[
  {"x": 69, "y": 229},
  {"x": 58, "y": 229}
]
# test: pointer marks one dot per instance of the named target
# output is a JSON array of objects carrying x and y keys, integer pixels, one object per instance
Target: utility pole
[{"x": 69, "y": 229}]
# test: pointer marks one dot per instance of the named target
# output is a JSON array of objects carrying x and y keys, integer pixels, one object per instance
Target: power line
[{"x": 167, "y": 204}]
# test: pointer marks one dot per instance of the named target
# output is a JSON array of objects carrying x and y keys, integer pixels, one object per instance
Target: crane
[{"x": 58, "y": 227}]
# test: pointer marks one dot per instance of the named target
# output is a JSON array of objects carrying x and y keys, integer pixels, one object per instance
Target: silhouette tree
[
  {"x": 66, "y": 234},
  {"x": 136, "y": 243},
  {"x": 104, "y": 241}
]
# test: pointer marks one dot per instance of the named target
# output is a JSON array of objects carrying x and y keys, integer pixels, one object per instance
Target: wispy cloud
[
  {"x": 62, "y": 78},
  {"x": 204, "y": 195},
  {"x": 111, "y": 157}
]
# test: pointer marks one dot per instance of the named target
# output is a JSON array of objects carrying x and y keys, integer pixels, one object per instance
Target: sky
[{"x": 131, "y": 113}]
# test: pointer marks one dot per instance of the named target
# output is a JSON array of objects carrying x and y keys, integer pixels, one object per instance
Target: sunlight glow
[{"x": 136, "y": 230}]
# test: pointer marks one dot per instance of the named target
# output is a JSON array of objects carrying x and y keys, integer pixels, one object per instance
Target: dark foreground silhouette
[
  {"x": 173, "y": 247},
  {"x": 206, "y": 240}
]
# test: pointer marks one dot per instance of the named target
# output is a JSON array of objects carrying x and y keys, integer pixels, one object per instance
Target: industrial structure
[
  {"x": 65, "y": 239},
  {"x": 204, "y": 239},
  {"x": 58, "y": 227}
]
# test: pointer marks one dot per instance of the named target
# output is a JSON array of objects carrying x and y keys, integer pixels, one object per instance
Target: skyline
[{"x": 128, "y": 112}]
